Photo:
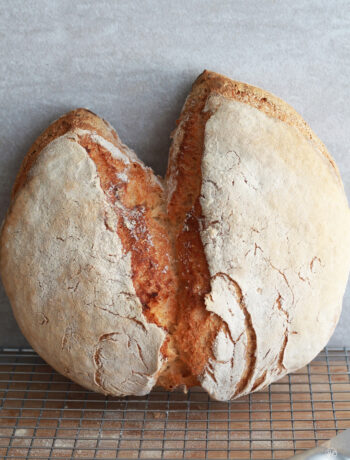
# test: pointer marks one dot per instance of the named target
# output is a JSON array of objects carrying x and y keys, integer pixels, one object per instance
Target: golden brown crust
[
  {"x": 76, "y": 119},
  {"x": 211, "y": 82}
]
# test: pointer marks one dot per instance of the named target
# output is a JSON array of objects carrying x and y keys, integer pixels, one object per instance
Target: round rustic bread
[{"x": 228, "y": 275}]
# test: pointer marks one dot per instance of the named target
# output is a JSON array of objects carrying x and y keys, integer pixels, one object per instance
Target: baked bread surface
[
  {"x": 85, "y": 257},
  {"x": 229, "y": 276}
]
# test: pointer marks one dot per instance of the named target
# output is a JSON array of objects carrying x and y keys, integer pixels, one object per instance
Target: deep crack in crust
[
  {"x": 196, "y": 328},
  {"x": 138, "y": 202}
]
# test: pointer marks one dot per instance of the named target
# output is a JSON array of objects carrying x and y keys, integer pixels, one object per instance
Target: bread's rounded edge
[
  {"x": 215, "y": 84},
  {"x": 79, "y": 118},
  {"x": 264, "y": 101}
]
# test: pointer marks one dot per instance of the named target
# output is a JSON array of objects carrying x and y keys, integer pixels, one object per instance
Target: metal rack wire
[{"x": 43, "y": 415}]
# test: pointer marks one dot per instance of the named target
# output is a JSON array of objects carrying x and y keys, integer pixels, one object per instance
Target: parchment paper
[{"x": 133, "y": 63}]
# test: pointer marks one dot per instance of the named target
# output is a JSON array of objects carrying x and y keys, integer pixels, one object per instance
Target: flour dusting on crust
[
  {"x": 229, "y": 274},
  {"x": 82, "y": 314},
  {"x": 273, "y": 233}
]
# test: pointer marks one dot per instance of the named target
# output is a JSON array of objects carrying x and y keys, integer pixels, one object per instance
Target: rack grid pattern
[{"x": 43, "y": 415}]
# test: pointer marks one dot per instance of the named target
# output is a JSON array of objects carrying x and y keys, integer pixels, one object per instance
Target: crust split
[{"x": 219, "y": 278}]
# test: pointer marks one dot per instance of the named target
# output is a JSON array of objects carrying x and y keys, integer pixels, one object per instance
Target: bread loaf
[{"x": 229, "y": 274}]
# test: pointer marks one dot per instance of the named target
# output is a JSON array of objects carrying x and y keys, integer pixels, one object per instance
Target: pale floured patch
[
  {"x": 116, "y": 153},
  {"x": 74, "y": 278},
  {"x": 273, "y": 231}
]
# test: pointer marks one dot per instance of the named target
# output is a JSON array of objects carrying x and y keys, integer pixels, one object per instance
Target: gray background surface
[{"x": 133, "y": 63}]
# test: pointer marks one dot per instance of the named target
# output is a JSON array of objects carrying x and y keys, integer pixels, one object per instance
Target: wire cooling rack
[{"x": 43, "y": 415}]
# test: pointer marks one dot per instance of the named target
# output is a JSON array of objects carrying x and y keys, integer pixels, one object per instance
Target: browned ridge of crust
[
  {"x": 271, "y": 105},
  {"x": 79, "y": 118}
]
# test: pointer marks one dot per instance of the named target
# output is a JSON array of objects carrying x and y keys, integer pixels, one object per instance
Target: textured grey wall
[{"x": 134, "y": 61}]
